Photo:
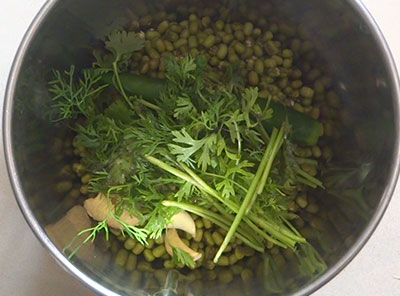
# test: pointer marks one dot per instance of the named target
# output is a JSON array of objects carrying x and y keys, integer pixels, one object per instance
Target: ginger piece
[{"x": 64, "y": 231}]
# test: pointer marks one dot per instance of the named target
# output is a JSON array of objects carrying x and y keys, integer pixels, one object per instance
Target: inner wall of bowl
[{"x": 344, "y": 45}]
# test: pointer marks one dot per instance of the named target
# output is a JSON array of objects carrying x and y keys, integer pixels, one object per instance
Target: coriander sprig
[
  {"x": 195, "y": 144},
  {"x": 180, "y": 256},
  {"x": 121, "y": 44}
]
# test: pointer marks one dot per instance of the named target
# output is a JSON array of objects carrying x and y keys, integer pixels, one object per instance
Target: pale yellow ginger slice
[
  {"x": 172, "y": 239},
  {"x": 183, "y": 221},
  {"x": 65, "y": 231},
  {"x": 99, "y": 208}
]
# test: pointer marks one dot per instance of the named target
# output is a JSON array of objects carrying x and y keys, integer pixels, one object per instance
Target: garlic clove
[
  {"x": 172, "y": 239},
  {"x": 183, "y": 221},
  {"x": 99, "y": 207}
]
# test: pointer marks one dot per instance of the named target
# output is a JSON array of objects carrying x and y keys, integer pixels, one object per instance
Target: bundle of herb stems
[
  {"x": 207, "y": 135},
  {"x": 282, "y": 237}
]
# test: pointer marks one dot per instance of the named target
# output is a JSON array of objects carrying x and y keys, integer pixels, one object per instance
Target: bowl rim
[
  {"x": 67, "y": 265},
  {"x": 11, "y": 165}
]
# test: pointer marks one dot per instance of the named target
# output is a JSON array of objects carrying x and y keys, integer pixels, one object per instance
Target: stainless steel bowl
[{"x": 346, "y": 38}]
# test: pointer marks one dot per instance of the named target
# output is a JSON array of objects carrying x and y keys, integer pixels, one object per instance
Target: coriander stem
[
  {"x": 239, "y": 140},
  {"x": 201, "y": 182},
  {"x": 234, "y": 207},
  {"x": 291, "y": 227},
  {"x": 302, "y": 160},
  {"x": 231, "y": 205},
  {"x": 262, "y": 233},
  {"x": 171, "y": 169},
  {"x": 309, "y": 177},
  {"x": 267, "y": 155},
  {"x": 251, "y": 227},
  {"x": 306, "y": 182},
  {"x": 214, "y": 218},
  {"x": 119, "y": 84},
  {"x": 262, "y": 131},
  {"x": 223, "y": 177},
  {"x": 247, "y": 199},
  {"x": 283, "y": 233},
  {"x": 149, "y": 105},
  {"x": 277, "y": 145}
]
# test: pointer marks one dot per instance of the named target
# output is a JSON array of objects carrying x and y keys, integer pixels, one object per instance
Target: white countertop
[{"x": 27, "y": 269}]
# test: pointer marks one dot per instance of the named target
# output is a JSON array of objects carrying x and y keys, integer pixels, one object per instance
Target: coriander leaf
[
  {"x": 122, "y": 44},
  {"x": 221, "y": 145},
  {"x": 185, "y": 78},
  {"x": 100, "y": 133},
  {"x": 231, "y": 154},
  {"x": 204, "y": 160},
  {"x": 180, "y": 256},
  {"x": 199, "y": 121},
  {"x": 182, "y": 70},
  {"x": 184, "y": 107},
  {"x": 234, "y": 81},
  {"x": 184, "y": 192},
  {"x": 249, "y": 98},
  {"x": 267, "y": 113},
  {"x": 103, "y": 61},
  {"x": 226, "y": 187},
  {"x": 159, "y": 219},
  {"x": 211, "y": 117},
  {"x": 185, "y": 153},
  {"x": 206, "y": 146},
  {"x": 233, "y": 169},
  {"x": 251, "y": 136},
  {"x": 240, "y": 169},
  {"x": 233, "y": 124}
]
